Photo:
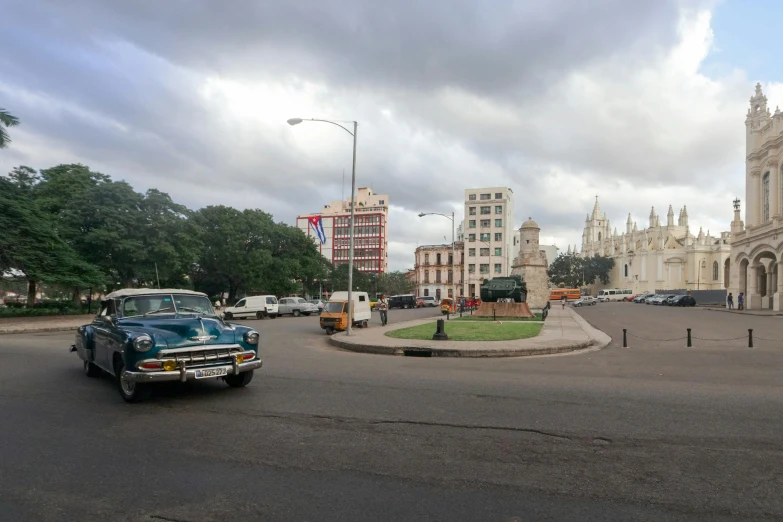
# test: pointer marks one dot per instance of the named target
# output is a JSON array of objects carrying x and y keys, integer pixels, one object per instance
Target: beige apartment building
[
  {"x": 488, "y": 232},
  {"x": 370, "y": 230},
  {"x": 433, "y": 271}
]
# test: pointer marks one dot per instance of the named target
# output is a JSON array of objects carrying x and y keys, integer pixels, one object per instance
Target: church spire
[
  {"x": 652, "y": 217},
  {"x": 670, "y": 217},
  {"x": 596, "y": 209},
  {"x": 685, "y": 215}
]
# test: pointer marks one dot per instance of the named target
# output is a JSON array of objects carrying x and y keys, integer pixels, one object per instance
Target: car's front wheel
[
  {"x": 239, "y": 380},
  {"x": 131, "y": 391},
  {"x": 90, "y": 370},
  {"x": 259, "y": 315}
]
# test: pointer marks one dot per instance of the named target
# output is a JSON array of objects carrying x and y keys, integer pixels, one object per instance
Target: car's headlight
[
  {"x": 251, "y": 337},
  {"x": 143, "y": 343}
]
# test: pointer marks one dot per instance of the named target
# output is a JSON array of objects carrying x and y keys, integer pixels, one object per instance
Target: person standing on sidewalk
[
  {"x": 741, "y": 301},
  {"x": 730, "y": 301},
  {"x": 382, "y": 307}
]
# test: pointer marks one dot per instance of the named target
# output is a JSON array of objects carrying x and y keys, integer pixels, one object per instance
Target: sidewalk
[
  {"x": 563, "y": 331},
  {"x": 770, "y": 313},
  {"x": 49, "y": 323}
]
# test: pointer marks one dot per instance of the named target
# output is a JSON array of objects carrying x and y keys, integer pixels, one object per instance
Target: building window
[
  {"x": 471, "y": 197},
  {"x": 451, "y": 259},
  {"x": 437, "y": 276},
  {"x": 626, "y": 270},
  {"x": 426, "y": 276},
  {"x": 765, "y": 198},
  {"x": 472, "y": 223},
  {"x": 497, "y": 268},
  {"x": 715, "y": 271},
  {"x": 472, "y": 211},
  {"x": 471, "y": 268},
  {"x": 426, "y": 292},
  {"x": 499, "y": 237},
  {"x": 485, "y": 223},
  {"x": 498, "y": 209},
  {"x": 472, "y": 290},
  {"x": 485, "y": 197},
  {"x": 471, "y": 237},
  {"x": 484, "y": 268},
  {"x": 437, "y": 294},
  {"x": 450, "y": 291},
  {"x": 484, "y": 252},
  {"x": 471, "y": 252},
  {"x": 498, "y": 195},
  {"x": 437, "y": 256},
  {"x": 498, "y": 251},
  {"x": 426, "y": 259},
  {"x": 498, "y": 222},
  {"x": 381, "y": 202},
  {"x": 485, "y": 237},
  {"x": 599, "y": 237},
  {"x": 451, "y": 277},
  {"x": 485, "y": 210}
]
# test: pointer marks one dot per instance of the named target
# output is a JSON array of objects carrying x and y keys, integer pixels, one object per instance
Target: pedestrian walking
[
  {"x": 383, "y": 308},
  {"x": 741, "y": 301},
  {"x": 730, "y": 301}
]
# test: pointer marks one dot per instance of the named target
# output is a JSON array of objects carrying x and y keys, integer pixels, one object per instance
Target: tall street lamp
[
  {"x": 297, "y": 121},
  {"x": 453, "y": 251}
]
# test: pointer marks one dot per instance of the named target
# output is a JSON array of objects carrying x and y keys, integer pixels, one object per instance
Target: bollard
[
  {"x": 689, "y": 338},
  {"x": 625, "y": 338},
  {"x": 448, "y": 313},
  {"x": 493, "y": 313},
  {"x": 750, "y": 337},
  {"x": 440, "y": 333}
]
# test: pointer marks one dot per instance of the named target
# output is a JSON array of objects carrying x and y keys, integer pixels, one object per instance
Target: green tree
[
  {"x": 598, "y": 268},
  {"x": 338, "y": 279},
  {"x": 24, "y": 177},
  {"x": 30, "y": 244},
  {"x": 566, "y": 270},
  {"x": 6, "y": 120},
  {"x": 394, "y": 283}
]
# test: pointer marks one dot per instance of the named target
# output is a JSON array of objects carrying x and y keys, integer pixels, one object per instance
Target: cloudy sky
[{"x": 641, "y": 102}]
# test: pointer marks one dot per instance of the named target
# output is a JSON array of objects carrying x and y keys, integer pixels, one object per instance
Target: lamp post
[
  {"x": 453, "y": 250},
  {"x": 297, "y": 121}
]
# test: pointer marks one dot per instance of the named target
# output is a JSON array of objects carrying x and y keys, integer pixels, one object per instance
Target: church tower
[{"x": 596, "y": 226}]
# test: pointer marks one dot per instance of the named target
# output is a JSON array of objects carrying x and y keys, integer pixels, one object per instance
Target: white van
[
  {"x": 614, "y": 294},
  {"x": 361, "y": 306},
  {"x": 258, "y": 306}
]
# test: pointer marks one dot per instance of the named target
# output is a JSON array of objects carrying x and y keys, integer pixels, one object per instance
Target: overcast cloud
[{"x": 559, "y": 100}]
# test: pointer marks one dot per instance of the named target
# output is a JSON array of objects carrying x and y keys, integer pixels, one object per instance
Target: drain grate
[{"x": 417, "y": 353}]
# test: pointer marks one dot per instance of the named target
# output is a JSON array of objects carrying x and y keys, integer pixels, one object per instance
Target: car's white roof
[{"x": 127, "y": 292}]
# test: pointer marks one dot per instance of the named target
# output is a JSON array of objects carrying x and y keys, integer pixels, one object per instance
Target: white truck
[
  {"x": 295, "y": 306},
  {"x": 258, "y": 306}
]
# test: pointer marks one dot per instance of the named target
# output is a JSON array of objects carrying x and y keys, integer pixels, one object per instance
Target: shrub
[{"x": 38, "y": 312}]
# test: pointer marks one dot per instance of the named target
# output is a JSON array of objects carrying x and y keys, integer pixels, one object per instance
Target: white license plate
[{"x": 211, "y": 372}]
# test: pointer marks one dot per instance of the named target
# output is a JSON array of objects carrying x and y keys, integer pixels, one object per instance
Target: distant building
[
  {"x": 433, "y": 270},
  {"x": 488, "y": 232},
  {"x": 370, "y": 231}
]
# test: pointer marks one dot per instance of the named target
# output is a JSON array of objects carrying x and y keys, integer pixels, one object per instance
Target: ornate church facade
[
  {"x": 661, "y": 256},
  {"x": 757, "y": 245}
]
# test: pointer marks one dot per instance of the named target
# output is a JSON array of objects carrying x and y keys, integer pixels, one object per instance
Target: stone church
[
  {"x": 757, "y": 245},
  {"x": 662, "y": 256}
]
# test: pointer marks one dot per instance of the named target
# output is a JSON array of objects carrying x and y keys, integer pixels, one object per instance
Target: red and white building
[{"x": 370, "y": 231}]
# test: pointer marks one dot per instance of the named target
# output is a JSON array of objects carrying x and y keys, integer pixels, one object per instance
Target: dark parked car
[
  {"x": 682, "y": 300},
  {"x": 402, "y": 301},
  {"x": 143, "y": 336}
]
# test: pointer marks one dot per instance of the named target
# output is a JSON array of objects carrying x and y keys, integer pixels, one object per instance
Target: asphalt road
[{"x": 656, "y": 431}]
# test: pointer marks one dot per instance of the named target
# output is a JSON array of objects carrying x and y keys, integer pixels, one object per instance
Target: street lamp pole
[
  {"x": 297, "y": 121},
  {"x": 453, "y": 249}
]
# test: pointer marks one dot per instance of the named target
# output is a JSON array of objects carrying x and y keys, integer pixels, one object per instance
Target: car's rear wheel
[
  {"x": 228, "y": 315},
  {"x": 90, "y": 370},
  {"x": 239, "y": 380},
  {"x": 296, "y": 313},
  {"x": 131, "y": 391}
]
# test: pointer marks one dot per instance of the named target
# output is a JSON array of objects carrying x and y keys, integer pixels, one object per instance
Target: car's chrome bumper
[{"x": 186, "y": 374}]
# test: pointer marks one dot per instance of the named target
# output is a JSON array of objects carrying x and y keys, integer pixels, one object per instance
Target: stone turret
[
  {"x": 684, "y": 216},
  {"x": 531, "y": 264},
  {"x": 628, "y": 224},
  {"x": 653, "y": 217},
  {"x": 670, "y": 217}
]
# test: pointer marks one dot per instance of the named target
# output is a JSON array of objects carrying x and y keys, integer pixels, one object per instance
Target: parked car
[
  {"x": 295, "y": 306},
  {"x": 429, "y": 300},
  {"x": 683, "y": 300},
  {"x": 258, "y": 306},
  {"x": 642, "y": 297},
  {"x": 402, "y": 301},
  {"x": 318, "y": 304},
  {"x": 585, "y": 300},
  {"x": 419, "y": 303},
  {"x": 335, "y": 315},
  {"x": 143, "y": 336}
]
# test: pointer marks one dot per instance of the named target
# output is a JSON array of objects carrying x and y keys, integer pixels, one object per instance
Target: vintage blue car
[{"x": 144, "y": 336}]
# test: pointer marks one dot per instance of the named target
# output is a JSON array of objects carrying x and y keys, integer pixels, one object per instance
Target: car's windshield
[
  {"x": 166, "y": 303},
  {"x": 334, "y": 306}
]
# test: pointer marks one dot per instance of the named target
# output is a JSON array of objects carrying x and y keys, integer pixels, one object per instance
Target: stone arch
[
  {"x": 755, "y": 254},
  {"x": 726, "y": 272},
  {"x": 743, "y": 275}
]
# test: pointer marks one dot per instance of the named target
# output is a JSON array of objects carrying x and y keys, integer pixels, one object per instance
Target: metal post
[
  {"x": 625, "y": 338},
  {"x": 453, "y": 260},
  {"x": 689, "y": 338},
  {"x": 351, "y": 234},
  {"x": 750, "y": 337}
]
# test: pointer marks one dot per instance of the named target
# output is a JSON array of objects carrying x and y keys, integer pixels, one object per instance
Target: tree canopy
[
  {"x": 573, "y": 271},
  {"x": 6, "y": 120}
]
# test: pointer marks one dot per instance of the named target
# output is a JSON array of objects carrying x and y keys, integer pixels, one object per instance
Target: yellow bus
[{"x": 564, "y": 293}]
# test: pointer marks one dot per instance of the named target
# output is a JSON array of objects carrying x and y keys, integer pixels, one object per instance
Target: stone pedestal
[
  {"x": 753, "y": 301},
  {"x": 776, "y": 301},
  {"x": 766, "y": 302},
  {"x": 501, "y": 310}
]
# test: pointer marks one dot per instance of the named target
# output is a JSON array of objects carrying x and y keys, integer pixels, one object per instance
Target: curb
[
  {"x": 414, "y": 350},
  {"x": 11, "y": 331}
]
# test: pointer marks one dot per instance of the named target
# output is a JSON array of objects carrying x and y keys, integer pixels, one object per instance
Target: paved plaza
[{"x": 656, "y": 431}]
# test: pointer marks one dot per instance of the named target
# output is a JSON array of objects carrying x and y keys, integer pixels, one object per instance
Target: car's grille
[
  {"x": 329, "y": 320},
  {"x": 201, "y": 357}
]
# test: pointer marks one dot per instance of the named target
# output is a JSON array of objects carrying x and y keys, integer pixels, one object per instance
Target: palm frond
[{"x": 8, "y": 119}]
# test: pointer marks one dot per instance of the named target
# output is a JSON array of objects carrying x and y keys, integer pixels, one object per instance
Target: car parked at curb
[
  {"x": 642, "y": 298},
  {"x": 318, "y": 304},
  {"x": 402, "y": 301},
  {"x": 145, "y": 336},
  {"x": 429, "y": 300},
  {"x": 585, "y": 300},
  {"x": 682, "y": 300},
  {"x": 295, "y": 306},
  {"x": 258, "y": 306}
]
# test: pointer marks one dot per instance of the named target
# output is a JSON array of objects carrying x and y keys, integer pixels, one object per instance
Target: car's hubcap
[{"x": 128, "y": 387}]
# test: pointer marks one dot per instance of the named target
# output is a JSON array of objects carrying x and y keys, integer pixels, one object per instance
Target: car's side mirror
[{"x": 108, "y": 319}]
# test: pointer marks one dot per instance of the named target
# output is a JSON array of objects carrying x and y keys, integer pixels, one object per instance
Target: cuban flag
[{"x": 318, "y": 226}]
